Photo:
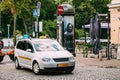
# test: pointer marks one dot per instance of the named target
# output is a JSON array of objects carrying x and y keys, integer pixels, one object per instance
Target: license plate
[{"x": 62, "y": 65}]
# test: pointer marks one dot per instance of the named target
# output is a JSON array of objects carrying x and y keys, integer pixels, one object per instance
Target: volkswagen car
[{"x": 43, "y": 55}]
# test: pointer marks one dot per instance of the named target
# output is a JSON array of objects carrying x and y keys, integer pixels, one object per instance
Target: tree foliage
[{"x": 84, "y": 10}]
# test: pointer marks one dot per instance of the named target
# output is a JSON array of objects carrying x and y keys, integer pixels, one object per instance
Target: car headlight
[
  {"x": 71, "y": 58},
  {"x": 47, "y": 59}
]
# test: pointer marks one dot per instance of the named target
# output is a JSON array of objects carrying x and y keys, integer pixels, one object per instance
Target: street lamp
[
  {"x": 8, "y": 25},
  {"x": 37, "y": 17}
]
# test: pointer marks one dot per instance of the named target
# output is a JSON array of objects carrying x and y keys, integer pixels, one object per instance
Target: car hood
[{"x": 54, "y": 54}]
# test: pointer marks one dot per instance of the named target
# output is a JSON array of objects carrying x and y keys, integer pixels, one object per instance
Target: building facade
[{"x": 114, "y": 9}]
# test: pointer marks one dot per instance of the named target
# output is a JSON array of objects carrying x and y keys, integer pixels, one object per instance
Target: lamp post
[
  {"x": 8, "y": 25},
  {"x": 108, "y": 44},
  {"x": 37, "y": 18}
]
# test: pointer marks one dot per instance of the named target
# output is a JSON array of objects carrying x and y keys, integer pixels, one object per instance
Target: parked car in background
[
  {"x": 82, "y": 40},
  {"x": 8, "y": 43},
  {"x": 7, "y": 48}
]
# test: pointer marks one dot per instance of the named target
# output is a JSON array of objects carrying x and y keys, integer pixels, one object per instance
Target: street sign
[
  {"x": 38, "y": 5},
  {"x": 40, "y": 26},
  {"x": 60, "y": 9},
  {"x": 35, "y": 12}
]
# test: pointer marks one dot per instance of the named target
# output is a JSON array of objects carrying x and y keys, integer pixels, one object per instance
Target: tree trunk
[
  {"x": 14, "y": 26},
  {"x": 26, "y": 30}
]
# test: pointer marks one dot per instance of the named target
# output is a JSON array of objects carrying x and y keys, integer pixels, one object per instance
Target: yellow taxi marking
[{"x": 26, "y": 58}]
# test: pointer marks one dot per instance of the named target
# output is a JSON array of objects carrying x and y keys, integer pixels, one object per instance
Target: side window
[
  {"x": 20, "y": 45},
  {"x": 29, "y": 46}
]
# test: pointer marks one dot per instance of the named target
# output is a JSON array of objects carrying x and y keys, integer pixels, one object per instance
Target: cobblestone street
[{"x": 83, "y": 71}]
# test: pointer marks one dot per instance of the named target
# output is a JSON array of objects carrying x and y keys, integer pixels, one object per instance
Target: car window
[
  {"x": 47, "y": 46},
  {"x": 28, "y": 46},
  {"x": 20, "y": 45}
]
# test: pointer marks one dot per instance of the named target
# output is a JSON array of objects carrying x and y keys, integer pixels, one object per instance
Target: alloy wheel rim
[
  {"x": 36, "y": 68},
  {"x": 16, "y": 63}
]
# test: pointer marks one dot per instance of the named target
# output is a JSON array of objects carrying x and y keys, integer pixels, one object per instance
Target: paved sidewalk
[{"x": 112, "y": 63}]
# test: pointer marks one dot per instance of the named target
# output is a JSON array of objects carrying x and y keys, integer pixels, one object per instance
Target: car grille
[{"x": 60, "y": 59}]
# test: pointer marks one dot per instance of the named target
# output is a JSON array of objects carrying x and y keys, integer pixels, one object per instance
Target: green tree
[
  {"x": 84, "y": 11},
  {"x": 49, "y": 27},
  {"x": 19, "y": 13},
  {"x": 9, "y": 4},
  {"x": 80, "y": 33},
  {"x": 100, "y": 5},
  {"x": 62, "y": 1}
]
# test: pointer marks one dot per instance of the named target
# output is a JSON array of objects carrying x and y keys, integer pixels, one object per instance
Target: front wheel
[
  {"x": 17, "y": 66},
  {"x": 36, "y": 68}
]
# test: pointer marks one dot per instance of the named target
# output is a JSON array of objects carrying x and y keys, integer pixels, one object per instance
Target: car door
[
  {"x": 29, "y": 54},
  {"x": 20, "y": 51}
]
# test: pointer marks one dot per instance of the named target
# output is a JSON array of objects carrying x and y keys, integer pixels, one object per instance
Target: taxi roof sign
[{"x": 26, "y": 36}]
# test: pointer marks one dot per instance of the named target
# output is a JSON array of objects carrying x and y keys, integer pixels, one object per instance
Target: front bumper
[{"x": 58, "y": 67}]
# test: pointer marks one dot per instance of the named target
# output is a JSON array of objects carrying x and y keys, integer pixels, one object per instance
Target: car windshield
[{"x": 47, "y": 46}]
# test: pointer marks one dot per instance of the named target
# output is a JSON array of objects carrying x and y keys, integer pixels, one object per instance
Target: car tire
[
  {"x": 1, "y": 58},
  {"x": 11, "y": 57},
  {"x": 17, "y": 66},
  {"x": 36, "y": 68}
]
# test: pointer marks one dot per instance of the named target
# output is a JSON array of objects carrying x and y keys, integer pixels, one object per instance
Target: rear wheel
[
  {"x": 17, "y": 66},
  {"x": 36, "y": 68},
  {"x": 11, "y": 57}
]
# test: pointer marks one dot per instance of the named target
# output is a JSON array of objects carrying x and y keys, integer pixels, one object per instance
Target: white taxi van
[{"x": 41, "y": 55}]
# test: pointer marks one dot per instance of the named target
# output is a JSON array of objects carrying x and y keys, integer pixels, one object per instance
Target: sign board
[
  {"x": 26, "y": 36},
  {"x": 60, "y": 9},
  {"x": 68, "y": 33},
  {"x": 38, "y": 27},
  {"x": 35, "y": 12}
]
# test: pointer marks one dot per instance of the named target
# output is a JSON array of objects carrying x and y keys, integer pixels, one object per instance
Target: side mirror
[{"x": 29, "y": 50}]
